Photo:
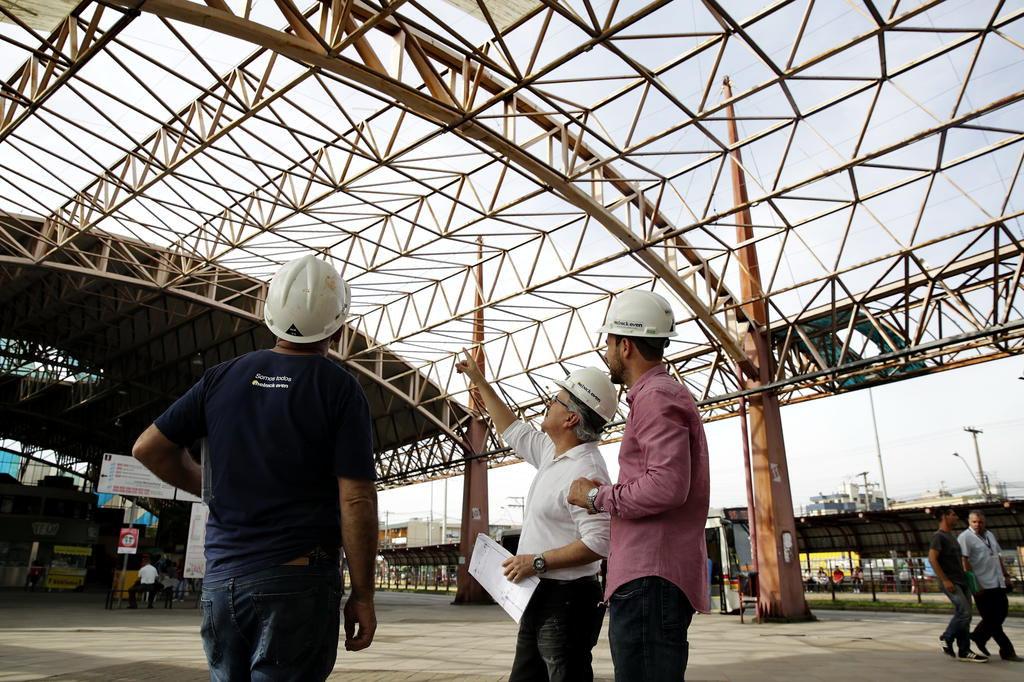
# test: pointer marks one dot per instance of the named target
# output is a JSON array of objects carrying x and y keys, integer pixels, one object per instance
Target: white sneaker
[{"x": 971, "y": 657}]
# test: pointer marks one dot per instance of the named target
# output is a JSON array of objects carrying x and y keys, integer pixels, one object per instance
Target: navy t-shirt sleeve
[
  {"x": 353, "y": 447},
  {"x": 184, "y": 422}
]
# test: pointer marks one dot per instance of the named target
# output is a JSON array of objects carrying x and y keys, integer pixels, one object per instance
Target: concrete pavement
[{"x": 422, "y": 637}]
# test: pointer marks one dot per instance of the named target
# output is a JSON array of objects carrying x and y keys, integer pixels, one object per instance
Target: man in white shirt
[
  {"x": 146, "y": 583},
  {"x": 560, "y": 543},
  {"x": 981, "y": 556}
]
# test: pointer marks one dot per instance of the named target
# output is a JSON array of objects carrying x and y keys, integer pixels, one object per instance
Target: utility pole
[
  {"x": 878, "y": 451},
  {"x": 444, "y": 521},
  {"x": 780, "y": 586},
  {"x": 867, "y": 491},
  {"x": 517, "y": 503},
  {"x": 982, "y": 481}
]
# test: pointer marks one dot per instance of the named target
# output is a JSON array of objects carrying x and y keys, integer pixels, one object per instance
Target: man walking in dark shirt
[
  {"x": 288, "y": 475},
  {"x": 945, "y": 557}
]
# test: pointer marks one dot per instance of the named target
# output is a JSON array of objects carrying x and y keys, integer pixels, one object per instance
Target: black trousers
[
  {"x": 993, "y": 605},
  {"x": 557, "y": 632},
  {"x": 149, "y": 590}
]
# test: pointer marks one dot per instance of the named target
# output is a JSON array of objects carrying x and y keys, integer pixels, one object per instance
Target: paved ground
[{"x": 422, "y": 637}]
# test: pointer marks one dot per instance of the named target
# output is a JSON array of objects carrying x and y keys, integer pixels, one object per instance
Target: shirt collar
[
  {"x": 643, "y": 380},
  {"x": 576, "y": 452}
]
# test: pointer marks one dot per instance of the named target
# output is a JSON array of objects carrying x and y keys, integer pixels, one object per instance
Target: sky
[
  {"x": 828, "y": 441},
  {"x": 920, "y": 421}
]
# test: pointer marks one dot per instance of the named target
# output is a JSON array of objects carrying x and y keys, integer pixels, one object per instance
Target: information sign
[{"x": 128, "y": 542}]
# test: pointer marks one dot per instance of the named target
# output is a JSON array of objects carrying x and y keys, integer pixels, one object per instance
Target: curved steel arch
[
  {"x": 962, "y": 306},
  {"x": 441, "y": 106},
  {"x": 140, "y": 271}
]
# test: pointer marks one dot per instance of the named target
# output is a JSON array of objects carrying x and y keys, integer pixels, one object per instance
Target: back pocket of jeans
[
  {"x": 208, "y": 632},
  {"x": 291, "y": 624}
]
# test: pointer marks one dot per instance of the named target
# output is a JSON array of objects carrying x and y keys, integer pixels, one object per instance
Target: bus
[{"x": 731, "y": 572}]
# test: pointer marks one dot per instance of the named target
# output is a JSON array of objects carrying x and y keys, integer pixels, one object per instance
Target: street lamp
[{"x": 975, "y": 478}]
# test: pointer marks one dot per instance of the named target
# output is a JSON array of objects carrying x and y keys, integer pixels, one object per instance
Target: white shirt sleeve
[
  {"x": 593, "y": 529},
  {"x": 962, "y": 539},
  {"x": 528, "y": 443}
]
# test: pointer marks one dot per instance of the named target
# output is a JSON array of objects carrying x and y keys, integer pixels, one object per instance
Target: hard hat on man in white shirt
[
  {"x": 307, "y": 301},
  {"x": 640, "y": 314},
  {"x": 593, "y": 388}
]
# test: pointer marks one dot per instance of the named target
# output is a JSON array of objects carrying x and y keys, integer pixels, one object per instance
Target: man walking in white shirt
[
  {"x": 981, "y": 556},
  {"x": 561, "y": 544}
]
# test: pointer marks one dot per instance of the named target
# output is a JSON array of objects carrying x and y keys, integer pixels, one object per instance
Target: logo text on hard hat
[
  {"x": 628, "y": 323},
  {"x": 293, "y": 331}
]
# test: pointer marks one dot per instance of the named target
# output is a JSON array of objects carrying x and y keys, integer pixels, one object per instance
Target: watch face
[{"x": 539, "y": 564}]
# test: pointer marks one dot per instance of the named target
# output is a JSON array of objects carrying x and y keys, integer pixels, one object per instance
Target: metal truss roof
[
  {"x": 569, "y": 149},
  {"x": 96, "y": 346}
]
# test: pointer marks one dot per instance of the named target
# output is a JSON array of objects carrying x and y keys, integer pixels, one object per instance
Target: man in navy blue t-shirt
[{"x": 289, "y": 478}]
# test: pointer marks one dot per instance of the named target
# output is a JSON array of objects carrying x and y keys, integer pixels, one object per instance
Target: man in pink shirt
[{"x": 657, "y": 566}]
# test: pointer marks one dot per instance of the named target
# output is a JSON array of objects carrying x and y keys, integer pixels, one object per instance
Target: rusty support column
[
  {"x": 474, "y": 488},
  {"x": 780, "y": 593},
  {"x": 751, "y": 510}
]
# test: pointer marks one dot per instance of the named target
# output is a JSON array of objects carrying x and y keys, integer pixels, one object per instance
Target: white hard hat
[
  {"x": 593, "y": 388},
  {"x": 643, "y": 314},
  {"x": 307, "y": 301}
]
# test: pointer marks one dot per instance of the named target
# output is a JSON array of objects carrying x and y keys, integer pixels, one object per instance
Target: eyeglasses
[{"x": 555, "y": 399}]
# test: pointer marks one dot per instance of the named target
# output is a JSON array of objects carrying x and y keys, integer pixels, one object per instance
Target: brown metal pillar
[
  {"x": 474, "y": 488},
  {"x": 781, "y": 594}
]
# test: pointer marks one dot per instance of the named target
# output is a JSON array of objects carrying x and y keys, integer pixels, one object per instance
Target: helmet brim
[{"x": 608, "y": 329}]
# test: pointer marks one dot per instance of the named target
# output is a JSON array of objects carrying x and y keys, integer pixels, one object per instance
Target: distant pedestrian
[
  {"x": 35, "y": 574},
  {"x": 179, "y": 587},
  {"x": 944, "y": 555},
  {"x": 981, "y": 556}
]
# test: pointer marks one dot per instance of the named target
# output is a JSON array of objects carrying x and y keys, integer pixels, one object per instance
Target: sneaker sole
[{"x": 972, "y": 660}]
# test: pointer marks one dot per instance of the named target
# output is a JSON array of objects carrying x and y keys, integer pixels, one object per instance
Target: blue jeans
[
  {"x": 649, "y": 619},
  {"x": 281, "y": 623},
  {"x": 959, "y": 627},
  {"x": 557, "y": 632}
]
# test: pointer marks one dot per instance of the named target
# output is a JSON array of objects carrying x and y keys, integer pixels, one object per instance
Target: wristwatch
[
  {"x": 592, "y": 500},
  {"x": 540, "y": 565}
]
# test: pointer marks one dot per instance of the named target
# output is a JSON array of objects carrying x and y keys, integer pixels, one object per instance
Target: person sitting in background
[
  {"x": 837, "y": 577},
  {"x": 858, "y": 579},
  {"x": 147, "y": 583}
]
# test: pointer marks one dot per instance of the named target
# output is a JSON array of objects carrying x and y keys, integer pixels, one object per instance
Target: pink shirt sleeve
[{"x": 660, "y": 429}]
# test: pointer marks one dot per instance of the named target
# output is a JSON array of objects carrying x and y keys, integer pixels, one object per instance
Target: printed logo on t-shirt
[
  {"x": 264, "y": 381},
  {"x": 293, "y": 331}
]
